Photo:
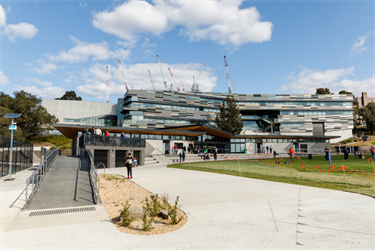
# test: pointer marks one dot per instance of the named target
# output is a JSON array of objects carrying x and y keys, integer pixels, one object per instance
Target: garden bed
[{"x": 116, "y": 191}]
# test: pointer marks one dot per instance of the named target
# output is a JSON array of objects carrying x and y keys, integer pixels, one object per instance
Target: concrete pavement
[{"x": 224, "y": 212}]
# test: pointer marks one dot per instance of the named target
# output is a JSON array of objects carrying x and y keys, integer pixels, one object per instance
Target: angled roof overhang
[{"x": 71, "y": 131}]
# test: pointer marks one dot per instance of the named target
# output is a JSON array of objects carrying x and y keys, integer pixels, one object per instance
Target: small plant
[
  {"x": 147, "y": 221},
  {"x": 173, "y": 213},
  {"x": 126, "y": 216},
  {"x": 356, "y": 139},
  {"x": 165, "y": 200},
  {"x": 156, "y": 205}
]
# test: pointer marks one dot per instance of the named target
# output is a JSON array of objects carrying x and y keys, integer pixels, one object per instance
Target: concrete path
[
  {"x": 224, "y": 212},
  {"x": 67, "y": 184}
]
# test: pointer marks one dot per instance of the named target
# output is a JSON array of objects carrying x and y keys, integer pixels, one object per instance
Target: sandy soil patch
[{"x": 115, "y": 190}]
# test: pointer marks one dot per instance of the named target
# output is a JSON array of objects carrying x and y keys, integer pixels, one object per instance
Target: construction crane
[
  {"x": 152, "y": 82},
  {"x": 107, "y": 82},
  {"x": 162, "y": 73},
  {"x": 195, "y": 87},
  {"x": 123, "y": 75},
  {"x": 227, "y": 71},
  {"x": 178, "y": 88}
]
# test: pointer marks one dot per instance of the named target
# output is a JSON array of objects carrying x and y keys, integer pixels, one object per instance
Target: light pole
[{"x": 11, "y": 128}]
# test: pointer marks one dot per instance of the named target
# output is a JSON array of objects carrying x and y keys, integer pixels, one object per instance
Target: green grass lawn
[
  {"x": 56, "y": 140},
  {"x": 299, "y": 172}
]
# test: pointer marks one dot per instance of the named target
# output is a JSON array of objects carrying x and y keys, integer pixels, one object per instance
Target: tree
[
  {"x": 344, "y": 92},
  {"x": 34, "y": 118},
  {"x": 323, "y": 91},
  {"x": 70, "y": 95},
  {"x": 368, "y": 114},
  {"x": 229, "y": 117}
]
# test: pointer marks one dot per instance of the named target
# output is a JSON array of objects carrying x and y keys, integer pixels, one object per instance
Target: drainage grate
[{"x": 62, "y": 211}]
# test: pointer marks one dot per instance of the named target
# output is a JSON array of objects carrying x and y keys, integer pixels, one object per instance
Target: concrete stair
[{"x": 150, "y": 160}]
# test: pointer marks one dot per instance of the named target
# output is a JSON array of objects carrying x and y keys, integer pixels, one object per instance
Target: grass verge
[{"x": 294, "y": 173}]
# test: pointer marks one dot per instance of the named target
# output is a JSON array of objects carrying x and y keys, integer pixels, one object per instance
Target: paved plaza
[{"x": 224, "y": 212}]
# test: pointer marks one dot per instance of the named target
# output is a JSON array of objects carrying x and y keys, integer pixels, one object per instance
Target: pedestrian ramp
[{"x": 67, "y": 184}]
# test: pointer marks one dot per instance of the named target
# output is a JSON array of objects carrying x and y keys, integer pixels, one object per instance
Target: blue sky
[{"x": 272, "y": 47}]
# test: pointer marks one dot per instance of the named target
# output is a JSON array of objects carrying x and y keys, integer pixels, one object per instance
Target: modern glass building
[
  {"x": 307, "y": 123},
  {"x": 262, "y": 114}
]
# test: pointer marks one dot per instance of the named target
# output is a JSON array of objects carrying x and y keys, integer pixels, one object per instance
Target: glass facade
[
  {"x": 268, "y": 114},
  {"x": 101, "y": 120}
]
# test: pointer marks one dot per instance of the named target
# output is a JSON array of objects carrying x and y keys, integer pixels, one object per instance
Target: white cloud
[
  {"x": 83, "y": 51},
  {"x": 83, "y": 5},
  {"x": 46, "y": 89},
  {"x": 220, "y": 21},
  {"x": 130, "y": 18},
  {"x": 21, "y": 30},
  {"x": 46, "y": 92},
  {"x": 137, "y": 77},
  {"x": 46, "y": 68},
  {"x": 147, "y": 44},
  {"x": 307, "y": 81},
  {"x": 359, "y": 46},
  {"x": 3, "y": 79},
  {"x": 37, "y": 81},
  {"x": 3, "y": 16},
  {"x": 14, "y": 31},
  {"x": 129, "y": 44}
]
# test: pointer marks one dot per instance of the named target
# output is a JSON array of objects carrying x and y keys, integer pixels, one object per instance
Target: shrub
[
  {"x": 147, "y": 221},
  {"x": 165, "y": 200},
  {"x": 356, "y": 139},
  {"x": 173, "y": 213},
  {"x": 153, "y": 205},
  {"x": 126, "y": 216},
  {"x": 51, "y": 148}
]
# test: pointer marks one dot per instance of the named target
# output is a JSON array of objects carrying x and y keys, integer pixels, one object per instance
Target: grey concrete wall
[
  {"x": 112, "y": 153},
  {"x": 78, "y": 109}
]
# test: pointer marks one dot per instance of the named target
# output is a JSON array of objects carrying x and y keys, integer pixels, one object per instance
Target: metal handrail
[
  {"x": 94, "y": 177},
  {"x": 38, "y": 175}
]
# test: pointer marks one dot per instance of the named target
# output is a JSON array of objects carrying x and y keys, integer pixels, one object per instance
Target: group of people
[{"x": 269, "y": 148}]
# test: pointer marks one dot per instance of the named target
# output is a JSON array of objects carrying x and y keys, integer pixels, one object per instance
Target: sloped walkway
[{"x": 67, "y": 184}]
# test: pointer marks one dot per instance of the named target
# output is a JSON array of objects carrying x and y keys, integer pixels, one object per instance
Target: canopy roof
[{"x": 71, "y": 131}]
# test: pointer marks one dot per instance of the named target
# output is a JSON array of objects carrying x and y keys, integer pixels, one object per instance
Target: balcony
[{"x": 114, "y": 141}]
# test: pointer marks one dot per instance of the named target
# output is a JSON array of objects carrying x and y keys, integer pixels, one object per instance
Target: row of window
[
  {"x": 315, "y": 112},
  {"x": 103, "y": 120},
  {"x": 329, "y": 104}
]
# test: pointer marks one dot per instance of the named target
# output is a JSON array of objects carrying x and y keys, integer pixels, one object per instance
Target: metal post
[{"x": 11, "y": 150}]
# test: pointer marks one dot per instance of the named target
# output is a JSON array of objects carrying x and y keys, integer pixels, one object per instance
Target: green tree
[
  {"x": 34, "y": 118},
  {"x": 344, "y": 92},
  {"x": 229, "y": 118},
  {"x": 70, "y": 95},
  {"x": 368, "y": 114},
  {"x": 323, "y": 91}
]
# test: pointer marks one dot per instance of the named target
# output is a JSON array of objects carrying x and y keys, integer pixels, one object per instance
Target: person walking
[
  {"x": 345, "y": 151},
  {"x": 184, "y": 149},
  {"x": 267, "y": 148},
  {"x": 215, "y": 155},
  {"x": 129, "y": 165},
  {"x": 270, "y": 149},
  {"x": 122, "y": 138},
  {"x": 180, "y": 157},
  {"x": 326, "y": 150},
  {"x": 291, "y": 153},
  {"x": 183, "y": 156},
  {"x": 175, "y": 149}
]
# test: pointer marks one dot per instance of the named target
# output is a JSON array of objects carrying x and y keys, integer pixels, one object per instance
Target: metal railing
[
  {"x": 94, "y": 177},
  {"x": 98, "y": 140},
  {"x": 22, "y": 156},
  {"x": 38, "y": 175}
]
